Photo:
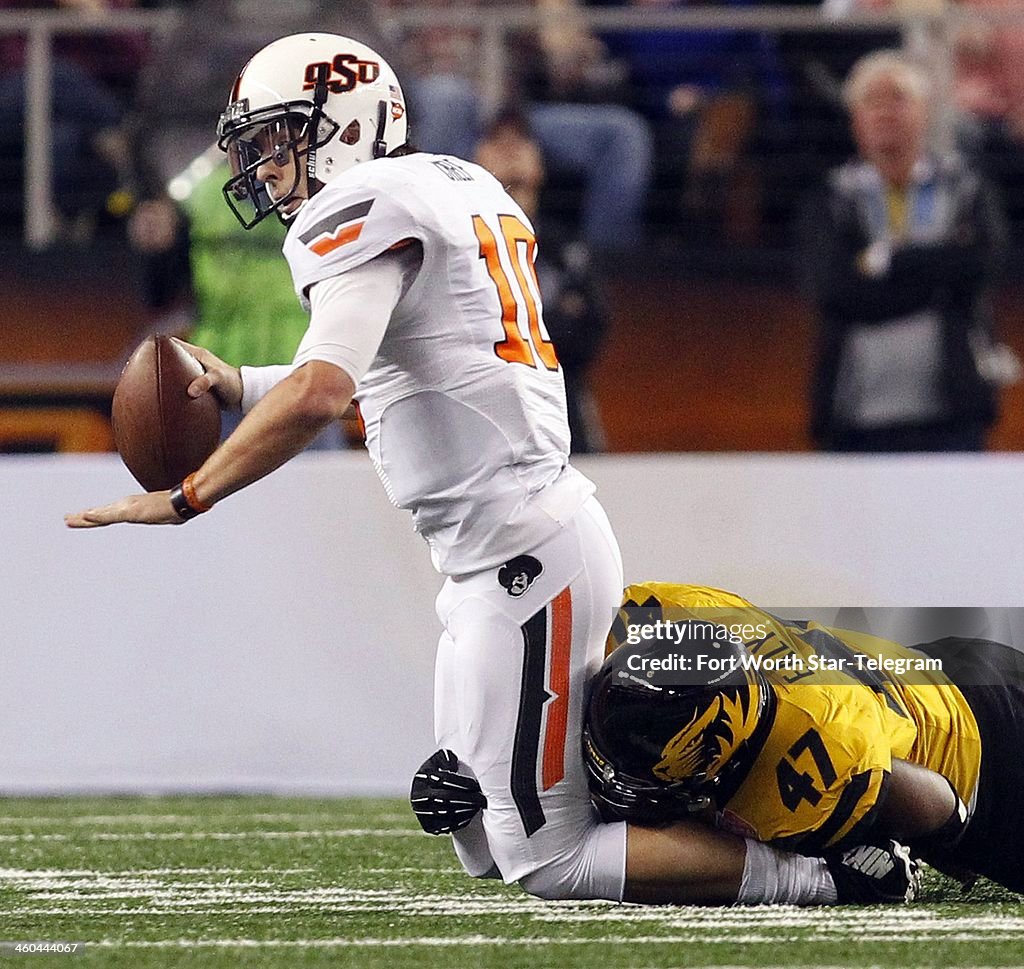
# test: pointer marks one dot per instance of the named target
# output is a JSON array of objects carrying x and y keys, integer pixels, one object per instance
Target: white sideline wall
[{"x": 285, "y": 642}]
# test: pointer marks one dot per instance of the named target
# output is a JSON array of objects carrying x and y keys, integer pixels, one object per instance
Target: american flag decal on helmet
[
  {"x": 397, "y": 105},
  {"x": 337, "y": 229}
]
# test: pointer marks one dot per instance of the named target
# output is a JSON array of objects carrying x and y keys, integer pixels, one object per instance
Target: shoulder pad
[{"x": 348, "y": 223}]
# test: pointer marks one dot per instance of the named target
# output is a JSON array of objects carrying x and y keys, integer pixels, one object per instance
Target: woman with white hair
[{"x": 899, "y": 252}]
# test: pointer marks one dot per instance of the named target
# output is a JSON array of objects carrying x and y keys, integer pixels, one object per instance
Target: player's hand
[
  {"x": 442, "y": 799},
  {"x": 223, "y": 379},
  {"x": 154, "y": 508},
  {"x": 874, "y": 874}
]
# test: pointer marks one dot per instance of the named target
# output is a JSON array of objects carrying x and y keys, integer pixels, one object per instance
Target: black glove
[
  {"x": 874, "y": 875},
  {"x": 442, "y": 799}
]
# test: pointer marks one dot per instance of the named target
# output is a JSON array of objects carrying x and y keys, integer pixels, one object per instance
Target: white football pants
[{"x": 518, "y": 651}]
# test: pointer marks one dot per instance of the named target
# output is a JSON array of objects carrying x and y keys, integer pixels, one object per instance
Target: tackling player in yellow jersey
[{"x": 805, "y": 737}]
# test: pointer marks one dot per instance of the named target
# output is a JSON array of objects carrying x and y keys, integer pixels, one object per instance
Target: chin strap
[
  {"x": 323, "y": 72},
  {"x": 380, "y": 146}
]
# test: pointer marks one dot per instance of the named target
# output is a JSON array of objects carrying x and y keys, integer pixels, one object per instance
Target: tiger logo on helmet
[
  {"x": 664, "y": 745},
  {"x": 713, "y": 735}
]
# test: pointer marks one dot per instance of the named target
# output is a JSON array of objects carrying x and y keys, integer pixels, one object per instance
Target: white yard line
[
  {"x": 430, "y": 941},
  {"x": 247, "y": 893},
  {"x": 121, "y": 819},
  {"x": 215, "y": 835},
  {"x": 764, "y": 937},
  {"x": 412, "y": 871},
  {"x": 65, "y": 873},
  {"x": 243, "y": 901},
  {"x": 166, "y": 891}
]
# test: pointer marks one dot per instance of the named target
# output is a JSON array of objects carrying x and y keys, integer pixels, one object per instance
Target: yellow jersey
[{"x": 846, "y": 704}]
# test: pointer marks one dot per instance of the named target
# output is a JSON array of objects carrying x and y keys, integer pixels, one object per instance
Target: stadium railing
[
  {"x": 929, "y": 32},
  {"x": 40, "y": 29}
]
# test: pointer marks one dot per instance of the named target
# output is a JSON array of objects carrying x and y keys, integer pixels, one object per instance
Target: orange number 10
[{"x": 522, "y": 249}]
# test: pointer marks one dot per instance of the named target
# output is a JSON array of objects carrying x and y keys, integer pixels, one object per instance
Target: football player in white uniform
[{"x": 418, "y": 272}]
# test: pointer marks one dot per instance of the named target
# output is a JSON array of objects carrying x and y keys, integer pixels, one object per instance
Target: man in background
[{"x": 899, "y": 253}]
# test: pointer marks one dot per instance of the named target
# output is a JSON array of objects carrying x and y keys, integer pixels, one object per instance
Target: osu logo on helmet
[
  {"x": 310, "y": 110},
  {"x": 349, "y": 67}
]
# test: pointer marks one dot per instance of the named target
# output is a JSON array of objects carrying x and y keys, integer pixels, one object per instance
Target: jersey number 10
[{"x": 521, "y": 247}]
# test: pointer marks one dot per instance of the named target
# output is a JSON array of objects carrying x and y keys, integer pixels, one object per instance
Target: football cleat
[
  {"x": 874, "y": 874},
  {"x": 442, "y": 799}
]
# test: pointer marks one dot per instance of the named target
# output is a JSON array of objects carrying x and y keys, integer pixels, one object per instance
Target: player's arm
[
  {"x": 688, "y": 863},
  {"x": 280, "y": 426},
  {"x": 238, "y": 388},
  {"x": 350, "y": 313}
]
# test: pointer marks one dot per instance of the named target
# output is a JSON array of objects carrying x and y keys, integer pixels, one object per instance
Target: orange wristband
[
  {"x": 188, "y": 489},
  {"x": 185, "y": 502}
]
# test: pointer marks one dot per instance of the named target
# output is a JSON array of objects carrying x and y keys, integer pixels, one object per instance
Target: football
[{"x": 161, "y": 433}]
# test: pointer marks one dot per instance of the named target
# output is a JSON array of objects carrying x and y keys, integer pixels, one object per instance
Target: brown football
[{"x": 161, "y": 433}]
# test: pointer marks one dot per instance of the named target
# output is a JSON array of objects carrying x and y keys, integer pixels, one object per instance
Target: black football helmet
[{"x": 661, "y": 746}]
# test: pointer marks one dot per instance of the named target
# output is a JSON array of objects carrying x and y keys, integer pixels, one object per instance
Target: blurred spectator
[
  {"x": 710, "y": 93},
  {"x": 846, "y": 8},
  {"x": 989, "y": 96},
  {"x": 255, "y": 324},
  {"x": 93, "y": 77},
  {"x": 575, "y": 315},
  {"x": 899, "y": 253},
  {"x": 576, "y": 101}
]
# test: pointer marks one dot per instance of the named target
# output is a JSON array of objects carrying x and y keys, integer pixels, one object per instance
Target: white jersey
[{"x": 464, "y": 403}]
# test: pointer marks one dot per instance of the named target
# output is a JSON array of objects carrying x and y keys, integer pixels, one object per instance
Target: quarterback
[
  {"x": 418, "y": 272},
  {"x": 819, "y": 738}
]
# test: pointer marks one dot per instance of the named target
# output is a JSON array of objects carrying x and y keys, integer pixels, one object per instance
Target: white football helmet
[{"x": 325, "y": 98}]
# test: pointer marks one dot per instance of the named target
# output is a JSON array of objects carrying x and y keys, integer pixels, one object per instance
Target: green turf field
[{"x": 263, "y": 882}]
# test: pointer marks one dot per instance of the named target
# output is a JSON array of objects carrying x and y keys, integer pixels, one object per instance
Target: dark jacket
[{"x": 950, "y": 275}]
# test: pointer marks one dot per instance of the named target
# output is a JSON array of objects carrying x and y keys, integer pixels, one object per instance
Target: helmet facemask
[
  {"x": 282, "y": 138},
  {"x": 619, "y": 796}
]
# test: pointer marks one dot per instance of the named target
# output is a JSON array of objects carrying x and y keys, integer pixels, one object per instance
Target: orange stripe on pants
[{"x": 553, "y": 769}]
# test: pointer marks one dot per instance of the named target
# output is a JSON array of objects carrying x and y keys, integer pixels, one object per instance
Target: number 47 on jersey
[{"x": 520, "y": 245}]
